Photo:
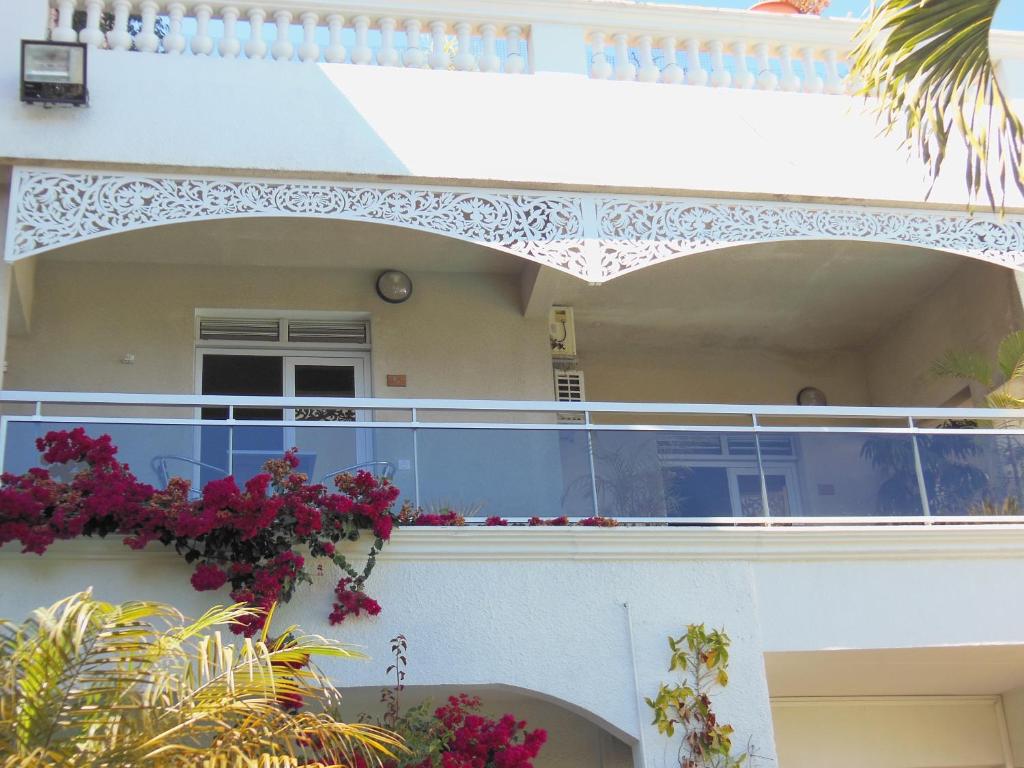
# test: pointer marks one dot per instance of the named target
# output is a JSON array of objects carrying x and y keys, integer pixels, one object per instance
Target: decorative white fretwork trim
[
  {"x": 636, "y": 233},
  {"x": 54, "y": 208},
  {"x": 594, "y": 237}
]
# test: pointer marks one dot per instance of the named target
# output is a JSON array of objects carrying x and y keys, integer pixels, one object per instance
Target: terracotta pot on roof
[{"x": 813, "y": 7}]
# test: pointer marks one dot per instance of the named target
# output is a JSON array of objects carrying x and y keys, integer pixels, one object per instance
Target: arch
[
  {"x": 637, "y": 233},
  {"x": 591, "y": 236},
  {"x": 52, "y": 209}
]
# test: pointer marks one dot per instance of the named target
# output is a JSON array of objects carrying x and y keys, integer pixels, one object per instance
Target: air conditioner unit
[
  {"x": 562, "y": 331},
  {"x": 569, "y": 389}
]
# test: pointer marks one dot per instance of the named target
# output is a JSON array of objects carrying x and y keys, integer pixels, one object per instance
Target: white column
[
  {"x": 789, "y": 81},
  {"x": 672, "y": 73},
  {"x": 600, "y": 69},
  {"x": 464, "y": 59},
  {"x": 744, "y": 78},
  {"x": 696, "y": 74},
  {"x": 514, "y": 63},
  {"x": 361, "y": 53},
  {"x": 720, "y": 76},
  {"x": 438, "y": 55},
  {"x": 282, "y": 49},
  {"x": 6, "y": 272},
  {"x": 648, "y": 71},
  {"x": 229, "y": 46},
  {"x": 174, "y": 40},
  {"x": 766, "y": 79},
  {"x": 413, "y": 56},
  {"x": 833, "y": 82},
  {"x": 489, "y": 61},
  {"x": 202, "y": 43},
  {"x": 256, "y": 46},
  {"x": 387, "y": 54},
  {"x": 335, "y": 52},
  {"x": 624, "y": 68},
  {"x": 91, "y": 34},
  {"x": 309, "y": 51},
  {"x": 118, "y": 38},
  {"x": 812, "y": 82},
  {"x": 64, "y": 32},
  {"x": 146, "y": 40}
]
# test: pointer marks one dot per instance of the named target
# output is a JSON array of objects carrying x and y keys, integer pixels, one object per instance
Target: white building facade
[{"x": 720, "y": 227}]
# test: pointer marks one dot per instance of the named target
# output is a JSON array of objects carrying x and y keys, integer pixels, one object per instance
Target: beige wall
[
  {"x": 719, "y": 375},
  {"x": 459, "y": 336},
  {"x": 973, "y": 310},
  {"x": 923, "y": 732}
]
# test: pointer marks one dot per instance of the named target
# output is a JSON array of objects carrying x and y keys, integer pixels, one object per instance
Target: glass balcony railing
[{"x": 687, "y": 464}]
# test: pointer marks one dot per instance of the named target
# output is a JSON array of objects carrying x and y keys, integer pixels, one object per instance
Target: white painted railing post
[
  {"x": 118, "y": 38},
  {"x": 361, "y": 53},
  {"x": 91, "y": 33},
  {"x": 282, "y": 49},
  {"x": 335, "y": 53},
  {"x": 229, "y": 46},
  {"x": 514, "y": 63},
  {"x": 624, "y": 68},
  {"x": 64, "y": 32},
  {"x": 464, "y": 60},
  {"x": 413, "y": 56},
  {"x": 174, "y": 40},
  {"x": 256, "y": 46},
  {"x": 743, "y": 78},
  {"x": 648, "y": 72},
  {"x": 438, "y": 55},
  {"x": 146, "y": 40},
  {"x": 672, "y": 73},
  {"x": 489, "y": 61},
  {"x": 387, "y": 54},
  {"x": 309, "y": 51},
  {"x": 558, "y": 48}
]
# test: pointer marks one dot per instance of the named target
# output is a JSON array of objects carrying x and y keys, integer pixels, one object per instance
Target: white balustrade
[
  {"x": 302, "y": 32},
  {"x": 673, "y": 46}
]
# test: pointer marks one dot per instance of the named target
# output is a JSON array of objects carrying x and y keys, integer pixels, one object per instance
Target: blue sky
[{"x": 1009, "y": 16}]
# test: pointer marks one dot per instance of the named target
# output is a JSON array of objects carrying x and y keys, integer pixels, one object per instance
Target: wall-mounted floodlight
[{"x": 53, "y": 73}]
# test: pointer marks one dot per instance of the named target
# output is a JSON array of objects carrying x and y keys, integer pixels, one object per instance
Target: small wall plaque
[{"x": 396, "y": 379}]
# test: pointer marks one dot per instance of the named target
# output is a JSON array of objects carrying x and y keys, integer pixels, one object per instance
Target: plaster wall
[
  {"x": 972, "y": 311},
  {"x": 544, "y": 611},
  {"x": 540, "y": 129}
]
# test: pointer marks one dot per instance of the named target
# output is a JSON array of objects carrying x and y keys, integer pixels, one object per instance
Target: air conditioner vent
[
  {"x": 327, "y": 332},
  {"x": 239, "y": 329},
  {"x": 569, "y": 389}
]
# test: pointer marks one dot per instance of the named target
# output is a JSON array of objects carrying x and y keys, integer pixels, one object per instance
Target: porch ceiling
[
  {"x": 296, "y": 242},
  {"x": 958, "y": 670},
  {"x": 796, "y": 296}
]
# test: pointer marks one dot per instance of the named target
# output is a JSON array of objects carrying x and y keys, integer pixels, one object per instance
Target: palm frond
[
  {"x": 929, "y": 65},
  {"x": 967, "y": 366},
  {"x": 1010, "y": 356}
]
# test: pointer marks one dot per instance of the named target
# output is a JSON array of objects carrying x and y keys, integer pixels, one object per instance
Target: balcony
[{"x": 639, "y": 463}]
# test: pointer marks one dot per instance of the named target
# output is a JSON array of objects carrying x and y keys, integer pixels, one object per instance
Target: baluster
[
  {"x": 600, "y": 69},
  {"x": 91, "y": 34},
  {"x": 202, "y": 43},
  {"x": 335, "y": 52},
  {"x": 256, "y": 46},
  {"x": 720, "y": 76},
  {"x": 64, "y": 32},
  {"x": 514, "y": 63},
  {"x": 743, "y": 78},
  {"x": 624, "y": 68},
  {"x": 387, "y": 54},
  {"x": 174, "y": 40},
  {"x": 438, "y": 55},
  {"x": 361, "y": 53},
  {"x": 696, "y": 75},
  {"x": 464, "y": 59},
  {"x": 282, "y": 49},
  {"x": 766, "y": 79},
  {"x": 147, "y": 41},
  {"x": 229, "y": 46},
  {"x": 672, "y": 73},
  {"x": 812, "y": 81},
  {"x": 789, "y": 81},
  {"x": 489, "y": 61},
  {"x": 833, "y": 82},
  {"x": 648, "y": 71},
  {"x": 118, "y": 38},
  {"x": 309, "y": 51},
  {"x": 413, "y": 56}
]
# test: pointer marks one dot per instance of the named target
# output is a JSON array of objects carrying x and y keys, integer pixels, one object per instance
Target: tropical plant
[
  {"x": 999, "y": 380},
  {"x": 702, "y": 659},
  {"x": 929, "y": 65},
  {"x": 88, "y": 684}
]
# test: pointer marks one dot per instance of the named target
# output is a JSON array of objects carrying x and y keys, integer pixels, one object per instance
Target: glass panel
[
  {"x": 325, "y": 381},
  {"x": 676, "y": 474},
  {"x": 836, "y": 474},
  {"x": 969, "y": 474},
  {"x": 511, "y": 473}
]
